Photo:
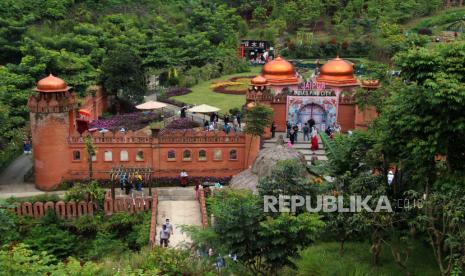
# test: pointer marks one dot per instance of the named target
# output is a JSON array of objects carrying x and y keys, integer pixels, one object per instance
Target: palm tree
[{"x": 257, "y": 119}]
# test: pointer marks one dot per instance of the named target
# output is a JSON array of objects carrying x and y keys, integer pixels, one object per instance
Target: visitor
[
  {"x": 292, "y": 137},
  {"x": 311, "y": 123},
  {"x": 329, "y": 131},
  {"x": 212, "y": 117},
  {"x": 122, "y": 181},
  {"x": 288, "y": 127},
  {"x": 273, "y": 130},
  {"x": 226, "y": 119},
  {"x": 295, "y": 128},
  {"x": 314, "y": 143},
  {"x": 197, "y": 189},
  {"x": 128, "y": 187},
  {"x": 313, "y": 159},
  {"x": 164, "y": 236},
  {"x": 306, "y": 131},
  {"x": 235, "y": 124},
  {"x": 226, "y": 128},
  {"x": 337, "y": 128},
  {"x": 139, "y": 182},
  {"x": 216, "y": 117},
  {"x": 184, "y": 178},
  {"x": 238, "y": 117},
  {"x": 169, "y": 226},
  {"x": 390, "y": 177},
  {"x": 27, "y": 146},
  {"x": 206, "y": 125},
  {"x": 211, "y": 127},
  {"x": 183, "y": 112}
]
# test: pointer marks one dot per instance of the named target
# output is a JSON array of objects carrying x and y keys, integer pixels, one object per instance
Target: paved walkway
[
  {"x": 179, "y": 206},
  {"x": 12, "y": 179}
]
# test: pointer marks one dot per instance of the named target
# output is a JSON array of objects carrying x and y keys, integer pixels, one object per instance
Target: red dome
[
  {"x": 337, "y": 72},
  {"x": 258, "y": 80},
  {"x": 51, "y": 84},
  {"x": 279, "y": 71}
]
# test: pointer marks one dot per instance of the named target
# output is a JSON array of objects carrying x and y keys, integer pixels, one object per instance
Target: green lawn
[
  {"x": 324, "y": 259},
  {"x": 202, "y": 94}
]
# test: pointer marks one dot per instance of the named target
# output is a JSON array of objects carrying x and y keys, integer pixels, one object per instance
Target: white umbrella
[
  {"x": 203, "y": 108},
  {"x": 151, "y": 105}
]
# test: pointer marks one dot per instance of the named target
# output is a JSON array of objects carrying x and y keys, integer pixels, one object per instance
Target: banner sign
[
  {"x": 256, "y": 44},
  {"x": 323, "y": 110}
]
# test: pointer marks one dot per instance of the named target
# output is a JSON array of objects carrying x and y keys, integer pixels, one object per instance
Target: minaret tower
[{"x": 52, "y": 113}]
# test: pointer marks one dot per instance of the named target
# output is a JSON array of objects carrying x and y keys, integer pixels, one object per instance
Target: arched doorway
[{"x": 314, "y": 111}]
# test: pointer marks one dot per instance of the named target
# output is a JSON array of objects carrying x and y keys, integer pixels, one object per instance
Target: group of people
[
  {"x": 309, "y": 130},
  {"x": 165, "y": 233},
  {"x": 129, "y": 183},
  {"x": 231, "y": 122}
]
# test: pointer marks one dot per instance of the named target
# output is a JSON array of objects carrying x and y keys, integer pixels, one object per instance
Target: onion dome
[
  {"x": 251, "y": 105},
  {"x": 337, "y": 72},
  {"x": 52, "y": 84},
  {"x": 258, "y": 81},
  {"x": 280, "y": 72}
]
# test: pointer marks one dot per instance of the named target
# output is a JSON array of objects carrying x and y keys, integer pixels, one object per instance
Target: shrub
[{"x": 82, "y": 191}]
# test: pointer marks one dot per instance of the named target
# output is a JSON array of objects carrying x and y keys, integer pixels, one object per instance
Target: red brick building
[{"x": 60, "y": 153}]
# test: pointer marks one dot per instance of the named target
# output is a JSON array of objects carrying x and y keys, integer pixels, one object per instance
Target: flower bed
[
  {"x": 177, "y": 91},
  {"x": 129, "y": 121},
  {"x": 182, "y": 123},
  {"x": 234, "y": 86}
]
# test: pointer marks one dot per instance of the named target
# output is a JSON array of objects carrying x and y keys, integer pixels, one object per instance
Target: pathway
[
  {"x": 179, "y": 206},
  {"x": 12, "y": 179}
]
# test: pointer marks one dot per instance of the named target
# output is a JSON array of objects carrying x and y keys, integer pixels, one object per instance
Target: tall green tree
[{"x": 122, "y": 74}]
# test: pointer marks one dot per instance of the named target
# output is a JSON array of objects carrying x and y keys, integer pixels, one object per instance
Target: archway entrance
[{"x": 314, "y": 111}]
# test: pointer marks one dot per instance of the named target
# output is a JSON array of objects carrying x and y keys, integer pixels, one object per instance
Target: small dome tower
[{"x": 52, "y": 113}]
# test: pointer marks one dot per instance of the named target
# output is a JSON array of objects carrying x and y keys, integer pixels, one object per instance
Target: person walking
[
  {"x": 169, "y": 227},
  {"x": 226, "y": 119},
  {"x": 288, "y": 128},
  {"x": 295, "y": 128},
  {"x": 184, "y": 178},
  {"x": 314, "y": 142},
  {"x": 292, "y": 137},
  {"x": 311, "y": 123},
  {"x": 227, "y": 128},
  {"x": 306, "y": 131},
  {"x": 273, "y": 130},
  {"x": 238, "y": 117},
  {"x": 164, "y": 236}
]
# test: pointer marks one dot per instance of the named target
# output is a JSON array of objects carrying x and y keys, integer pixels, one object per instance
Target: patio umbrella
[
  {"x": 203, "y": 108},
  {"x": 151, "y": 105},
  {"x": 85, "y": 112}
]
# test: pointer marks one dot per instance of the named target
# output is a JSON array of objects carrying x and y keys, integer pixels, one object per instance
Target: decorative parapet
[
  {"x": 72, "y": 209},
  {"x": 203, "y": 208},
  {"x": 135, "y": 137},
  {"x": 66, "y": 210},
  {"x": 200, "y": 137},
  {"x": 265, "y": 97},
  {"x": 52, "y": 102}
]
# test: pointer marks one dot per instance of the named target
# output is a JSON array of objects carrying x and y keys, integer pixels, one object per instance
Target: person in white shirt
[{"x": 184, "y": 179}]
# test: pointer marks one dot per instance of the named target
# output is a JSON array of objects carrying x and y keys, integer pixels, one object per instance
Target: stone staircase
[
  {"x": 302, "y": 146},
  {"x": 179, "y": 206}
]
